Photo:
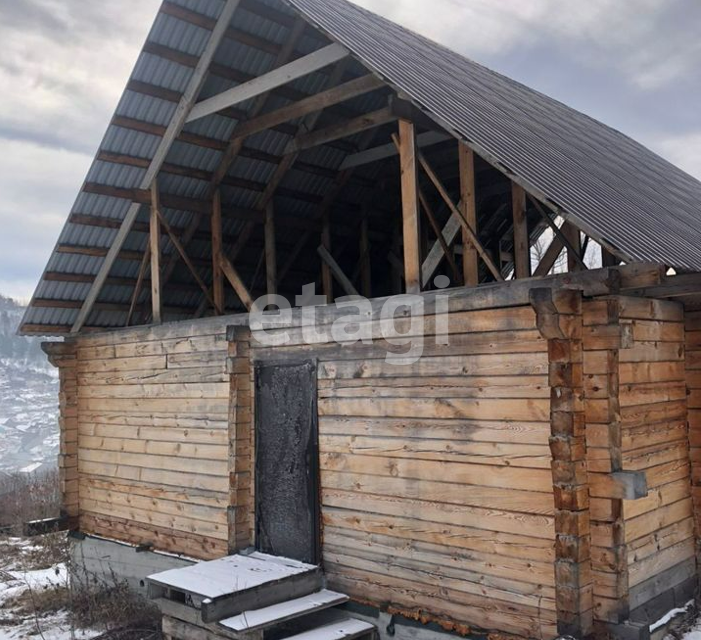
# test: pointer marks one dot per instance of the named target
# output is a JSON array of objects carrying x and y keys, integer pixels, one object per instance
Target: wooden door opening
[{"x": 287, "y": 461}]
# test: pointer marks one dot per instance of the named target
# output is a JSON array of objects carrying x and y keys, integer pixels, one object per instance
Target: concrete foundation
[{"x": 107, "y": 562}]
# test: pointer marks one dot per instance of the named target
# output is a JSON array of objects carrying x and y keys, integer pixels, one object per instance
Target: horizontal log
[{"x": 622, "y": 485}]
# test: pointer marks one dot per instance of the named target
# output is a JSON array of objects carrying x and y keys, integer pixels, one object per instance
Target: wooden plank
[
  {"x": 368, "y": 156},
  {"x": 365, "y": 258},
  {"x": 267, "y": 82},
  {"x": 139, "y": 284},
  {"x": 174, "y": 128},
  {"x": 468, "y": 206},
  {"x": 155, "y": 252},
  {"x": 410, "y": 206},
  {"x": 522, "y": 245},
  {"x": 317, "y": 102}
]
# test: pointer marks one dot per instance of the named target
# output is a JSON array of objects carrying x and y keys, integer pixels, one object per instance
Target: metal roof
[{"x": 614, "y": 189}]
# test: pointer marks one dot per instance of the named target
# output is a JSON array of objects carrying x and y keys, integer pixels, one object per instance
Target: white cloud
[{"x": 684, "y": 151}]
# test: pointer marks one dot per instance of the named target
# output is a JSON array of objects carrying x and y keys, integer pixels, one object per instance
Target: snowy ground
[{"x": 31, "y": 598}]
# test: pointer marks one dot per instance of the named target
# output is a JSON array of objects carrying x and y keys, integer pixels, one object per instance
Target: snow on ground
[{"x": 21, "y": 589}]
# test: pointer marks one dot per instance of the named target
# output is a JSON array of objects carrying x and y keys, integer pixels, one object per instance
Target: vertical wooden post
[
  {"x": 575, "y": 239},
  {"x": 365, "y": 262},
  {"x": 522, "y": 243},
  {"x": 326, "y": 275},
  {"x": 560, "y": 321},
  {"x": 270, "y": 249},
  {"x": 155, "y": 238},
  {"x": 468, "y": 204},
  {"x": 410, "y": 206},
  {"x": 217, "y": 252}
]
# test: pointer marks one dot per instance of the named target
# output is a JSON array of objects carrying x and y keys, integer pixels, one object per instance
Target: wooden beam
[
  {"x": 270, "y": 250},
  {"x": 365, "y": 258},
  {"x": 406, "y": 143},
  {"x": 316, "y": 102},
  {"x": 342, "y": 130},
  {"x": 186, "y": 259},
  {"x": 552, "y": 253},
  {"x": 155, "y": 251},
  {"x": 522, "y": 244},
  {"x": 385, "y": 151},
  {"x": 608, "y": 259},
  {"x": 468, "y": 207},
  {"x": 334, "y": 268},
  {"x": 445, "y": 247},
  {"x": 174, "y": 128},
  {"x": 267, "y": 82},
  {"x": 574, "y": 244},
  {"x": 139, "y": 284},
  {"x": 456, "y": 211},
  {"x": 558, "y": 233},
  {"x": 217, "y": 252},
  {"x": 237, "y": 283}
]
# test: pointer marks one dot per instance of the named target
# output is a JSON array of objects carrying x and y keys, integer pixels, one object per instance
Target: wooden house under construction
[{"x": 533, "y": 472}]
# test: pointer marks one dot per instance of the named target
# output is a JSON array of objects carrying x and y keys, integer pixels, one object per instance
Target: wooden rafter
[
  {"x": 323, "y": 100},
  {"x": 272, "y": 80},
  {"x": 174, "y": 128}
]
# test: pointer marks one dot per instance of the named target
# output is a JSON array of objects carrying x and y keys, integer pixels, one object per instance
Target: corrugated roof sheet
[{"x": 612, "y": 187}]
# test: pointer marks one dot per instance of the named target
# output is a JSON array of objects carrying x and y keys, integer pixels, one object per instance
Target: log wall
[
  {"x": 437, "y": 489},
  {"x": 659, "y": 530},
  {"x": 153, "y": 440},
  {"x": 693, "y": 382}
]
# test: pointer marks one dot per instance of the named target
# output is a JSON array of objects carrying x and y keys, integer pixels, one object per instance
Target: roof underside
[{"x": 611, "y": 187}]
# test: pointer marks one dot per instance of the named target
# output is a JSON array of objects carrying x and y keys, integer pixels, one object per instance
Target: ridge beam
[{"x": 272, "y": 80}]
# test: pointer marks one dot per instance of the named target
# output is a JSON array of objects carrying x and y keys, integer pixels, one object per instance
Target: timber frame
[{"x": 537, "y": 475}]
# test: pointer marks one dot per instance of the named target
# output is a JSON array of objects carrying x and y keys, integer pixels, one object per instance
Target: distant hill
[{"x": 28, "y": 398}]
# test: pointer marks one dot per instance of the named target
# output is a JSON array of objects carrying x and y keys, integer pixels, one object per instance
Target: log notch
[
  {"x": 559, "y": 315},
  {"x": 241, "y": 503},
  {"x": 468, "y": 204},
  {"x": 604, "y": 340},
  {"x": 410, "y": 206},
  {"x": 62, "y": 355}
]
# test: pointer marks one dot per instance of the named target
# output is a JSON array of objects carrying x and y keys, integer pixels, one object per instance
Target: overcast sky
[{"x": 634, "y": 64}]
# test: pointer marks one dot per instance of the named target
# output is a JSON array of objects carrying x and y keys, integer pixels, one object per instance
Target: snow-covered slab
[
  {"x": 268, "y": 616},
  {"x": 343, "y": 630},
  {"x": 230, "y": 575}
]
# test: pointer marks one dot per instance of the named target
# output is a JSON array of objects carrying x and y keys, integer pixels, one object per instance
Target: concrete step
[{"x": 284, "y": 611}]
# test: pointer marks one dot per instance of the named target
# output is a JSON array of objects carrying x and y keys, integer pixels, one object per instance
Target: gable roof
[{"x": 614, "y": 189}]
